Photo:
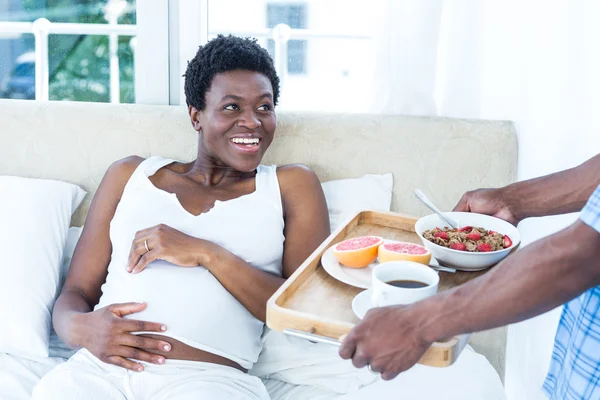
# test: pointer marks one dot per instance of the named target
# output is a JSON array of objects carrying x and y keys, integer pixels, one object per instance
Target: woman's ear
[{"x": 195, "y": 118}]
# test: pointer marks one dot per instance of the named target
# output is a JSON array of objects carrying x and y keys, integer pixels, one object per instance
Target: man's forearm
[
  {"x": 534, "y": 280},
  {"x": 559, "y": 193}
]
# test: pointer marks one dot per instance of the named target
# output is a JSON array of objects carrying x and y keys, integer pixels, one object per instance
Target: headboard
[{"x": 76, "y": 142}]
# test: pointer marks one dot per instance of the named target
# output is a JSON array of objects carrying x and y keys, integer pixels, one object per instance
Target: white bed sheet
[
  {"x": 19, "y": 375},
  {"x": 472, "y": 377}
]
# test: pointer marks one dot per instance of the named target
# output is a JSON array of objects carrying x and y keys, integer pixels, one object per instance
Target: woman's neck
[{"x": 210, "y": 172}]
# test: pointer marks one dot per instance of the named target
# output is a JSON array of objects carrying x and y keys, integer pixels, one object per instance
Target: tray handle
[{"x": 312, "y": 337}]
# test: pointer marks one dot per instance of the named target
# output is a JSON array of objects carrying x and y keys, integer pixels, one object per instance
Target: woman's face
[{"x": 238, "y": 121}]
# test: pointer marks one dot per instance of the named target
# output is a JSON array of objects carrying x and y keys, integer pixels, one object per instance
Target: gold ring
[{"x": 146, "y": 245}]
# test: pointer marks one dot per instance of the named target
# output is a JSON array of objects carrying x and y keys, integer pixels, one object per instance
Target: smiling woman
[
  {"x": 177, "y": 260},
  {"x": 238, "y": 116}
]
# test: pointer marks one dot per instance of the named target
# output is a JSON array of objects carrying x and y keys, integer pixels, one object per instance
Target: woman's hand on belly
[
  {"x": 107, "y": 335},
  {"x": 161, "y": 242}
]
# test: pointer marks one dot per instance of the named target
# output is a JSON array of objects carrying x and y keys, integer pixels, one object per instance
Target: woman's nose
[{"x": 249, "y": 120}]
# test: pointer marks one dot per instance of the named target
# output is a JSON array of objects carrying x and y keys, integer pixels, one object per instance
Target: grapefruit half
[
  {"x": 357, "y": 252},
  {"x": 404, "y": 251}
]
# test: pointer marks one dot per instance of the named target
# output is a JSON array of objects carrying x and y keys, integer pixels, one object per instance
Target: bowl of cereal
[{"x": 479, "y": 242}]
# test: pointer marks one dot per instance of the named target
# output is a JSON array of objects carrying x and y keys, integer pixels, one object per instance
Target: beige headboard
[
  {"x": 76, "y": 142},
  {"x": 444, "y": 157}
]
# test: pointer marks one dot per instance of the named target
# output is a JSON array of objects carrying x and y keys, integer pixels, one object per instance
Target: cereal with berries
[{"x": 468, "y": 238}]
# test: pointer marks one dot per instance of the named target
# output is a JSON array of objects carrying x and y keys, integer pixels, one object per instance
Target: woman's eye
[
  {"x": 265, "y": 107},
  {"x": 231, "y": 107}
]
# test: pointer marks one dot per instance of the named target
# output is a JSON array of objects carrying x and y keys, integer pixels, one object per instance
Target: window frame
[{"x": 151, "y": 62}]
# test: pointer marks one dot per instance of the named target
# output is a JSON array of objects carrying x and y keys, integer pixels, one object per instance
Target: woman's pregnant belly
[{"x": 204, "y": 321}]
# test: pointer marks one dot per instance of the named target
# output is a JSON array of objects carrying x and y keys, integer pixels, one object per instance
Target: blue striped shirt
[{"x": 574, "y": 372}]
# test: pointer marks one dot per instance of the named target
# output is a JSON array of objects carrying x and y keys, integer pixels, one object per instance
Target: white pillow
[
  {"x": 346, "y": 197},
  {"x": 57, "y": 347},
  {"x": 72, "y": 238},
  {"x": 35, "y": 215}
]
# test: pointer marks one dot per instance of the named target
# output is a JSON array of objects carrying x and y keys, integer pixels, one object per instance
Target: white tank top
[{"x": 191, "y": 302}]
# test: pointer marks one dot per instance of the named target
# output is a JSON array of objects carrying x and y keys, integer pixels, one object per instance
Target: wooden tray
[{"x": 313, "y": 302}]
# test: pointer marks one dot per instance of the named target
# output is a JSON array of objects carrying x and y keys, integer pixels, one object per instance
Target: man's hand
[
  {"x": 487, "y": 201},
  {"x": 389, "y": 339}
]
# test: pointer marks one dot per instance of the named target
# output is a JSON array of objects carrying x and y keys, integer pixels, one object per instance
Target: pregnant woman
[{"x": 168, "y": 285}]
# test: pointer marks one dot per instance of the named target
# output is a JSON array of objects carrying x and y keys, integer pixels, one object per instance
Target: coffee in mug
[
  {"x": 402, "y": 282},
  {"x": 407, "y": 284}
]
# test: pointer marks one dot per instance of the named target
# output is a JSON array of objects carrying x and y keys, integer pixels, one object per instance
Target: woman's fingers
[
  {"x": 122, "y": 309},
  {"x": 132, "y": 325},
  {"x": 137, "y": 251},
  {"x": 125, "y": 363},
  {"x": 144, "y": 260},
  {"x": 141, "y": 342},
  {"x": 138, "y": 354}
]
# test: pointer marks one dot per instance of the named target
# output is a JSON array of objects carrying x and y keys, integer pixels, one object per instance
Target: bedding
[
  {"x": 18, "y": 375},
  {"x": 35, "y": 215},
  {"x": 346, "y": 197},
  {"x": 293, "y": 368}
]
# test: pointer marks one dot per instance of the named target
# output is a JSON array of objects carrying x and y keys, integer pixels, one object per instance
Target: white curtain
[
  {"x": 406, "y": 41},
  {"x": 535, "y": 62}
]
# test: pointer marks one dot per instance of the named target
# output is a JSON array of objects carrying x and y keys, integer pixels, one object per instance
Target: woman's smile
[{"x": 246, "y": 143}]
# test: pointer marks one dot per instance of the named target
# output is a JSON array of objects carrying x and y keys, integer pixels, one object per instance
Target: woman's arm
[
  {"x": 88, "y": 270},
  {"x": 306, "y": 227},
  {"x": 73, "y": 319}
]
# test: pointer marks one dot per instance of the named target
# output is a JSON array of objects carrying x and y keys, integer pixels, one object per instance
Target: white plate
[
  {"x": 362, "y": 303},
  {"x": 359, "y": 277}
]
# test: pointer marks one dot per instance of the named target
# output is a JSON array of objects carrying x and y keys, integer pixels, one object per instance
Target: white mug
[{"x": 384, "y": 294}]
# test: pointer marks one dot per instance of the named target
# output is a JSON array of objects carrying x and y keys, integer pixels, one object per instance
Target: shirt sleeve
[{"x": 591, "y": 212}]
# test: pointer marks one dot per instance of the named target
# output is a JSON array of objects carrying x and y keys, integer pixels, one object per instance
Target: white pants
[{"x": 86, "y": 377}]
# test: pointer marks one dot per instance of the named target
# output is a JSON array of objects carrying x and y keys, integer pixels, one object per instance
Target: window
[
  {"x": 294, "y": 16},
  {"x": 137, "y": 51},
  {"x": 86, "y": 54},
  {"x": 17, "y": 67},
  {"x": 324, "y": 56}
]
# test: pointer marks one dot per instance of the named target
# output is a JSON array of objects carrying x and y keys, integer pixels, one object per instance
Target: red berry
[
  {"x": 484, "y": 247},
  {"x": 442, "y": 235},
  {"x": 475, "y": 236},
  {"x": 507, "y": 242},
  {"x": 466, "y": 229},
  {"x": 492, "y": 232},
  {"x": 458, "y": 246}
]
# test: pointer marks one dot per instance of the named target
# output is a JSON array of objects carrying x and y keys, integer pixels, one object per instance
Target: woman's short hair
[{"x": 222, "y": 54}]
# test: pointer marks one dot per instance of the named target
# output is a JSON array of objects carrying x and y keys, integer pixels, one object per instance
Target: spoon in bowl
[{"x": 421, "y": 196}]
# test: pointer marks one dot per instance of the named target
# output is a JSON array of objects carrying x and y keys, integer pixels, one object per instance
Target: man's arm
[
  {"x": 558, "y": 193},
  {"x": 534, "y": 280}
]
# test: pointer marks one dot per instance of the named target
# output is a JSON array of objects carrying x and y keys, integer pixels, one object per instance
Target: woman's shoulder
[
  {"x": 295, "y": 172},
  {"x": 125, "y": 166},
  {"x": 118, "y": 174},
  {"x": 296, "y": 179}
]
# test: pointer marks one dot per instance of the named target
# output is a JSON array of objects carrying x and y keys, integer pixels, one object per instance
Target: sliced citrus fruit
[
  {"x": 404, "y": 251},
  {"x": 357, "y": 252}
]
